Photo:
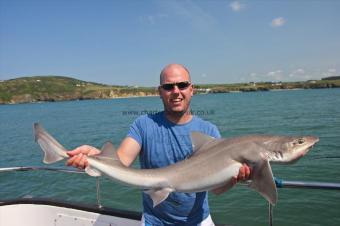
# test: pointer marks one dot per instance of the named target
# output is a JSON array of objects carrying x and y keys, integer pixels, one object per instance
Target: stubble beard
[{"x": 175, "y": 114}]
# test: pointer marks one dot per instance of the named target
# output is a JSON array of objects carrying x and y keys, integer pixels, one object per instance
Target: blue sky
[{"x": 129, "y": 42}]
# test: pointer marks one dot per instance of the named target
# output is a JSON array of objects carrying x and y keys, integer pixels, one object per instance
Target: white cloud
[
  {"x": 278, "y": 22},
  {"x": 236, "y": 6},
  {"x": 153, "y": 19},
  {"x": 254, "y": 77},
  {"x": 330, "y": 72},
  {"x": 270, "y": 76},
  {"x": 275, "y": 75},
  {"x": 297, "y": 73},
  {"x": 301, "y": 71},
  {"x": 192, "y": 13}
]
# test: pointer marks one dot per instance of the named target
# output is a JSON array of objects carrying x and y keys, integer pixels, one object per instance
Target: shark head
[{"x": 288, "y": 149}]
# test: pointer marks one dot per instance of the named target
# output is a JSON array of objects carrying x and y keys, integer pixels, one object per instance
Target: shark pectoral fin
[
  {"x": 92, "y": 172},
  {"x": 158, "y": 195},
  {"x": 263, "y": 182}
]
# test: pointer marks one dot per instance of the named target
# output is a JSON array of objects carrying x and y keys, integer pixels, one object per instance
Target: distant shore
[{"x": 57, "y": 88}]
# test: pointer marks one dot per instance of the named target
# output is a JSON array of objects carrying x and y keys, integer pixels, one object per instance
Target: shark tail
[{"x": 53, "y": 150}]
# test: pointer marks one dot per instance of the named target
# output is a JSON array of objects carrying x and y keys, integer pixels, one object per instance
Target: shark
[{"x": 212, "y": 164}]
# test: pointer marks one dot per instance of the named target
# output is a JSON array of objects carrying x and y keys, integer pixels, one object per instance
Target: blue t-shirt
[{"x": 164, "y": 143}]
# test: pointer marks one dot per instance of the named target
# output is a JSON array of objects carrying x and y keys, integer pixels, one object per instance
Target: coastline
[
  {"x": 58, "y": 88},
  {"x": 155, "y": 95},
  {"x": 77, "y": 99}
]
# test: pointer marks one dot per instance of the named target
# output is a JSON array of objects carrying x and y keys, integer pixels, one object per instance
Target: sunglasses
[{"x": 180, "y": 85}]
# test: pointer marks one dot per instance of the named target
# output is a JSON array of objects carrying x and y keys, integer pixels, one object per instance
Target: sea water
[{"x": 93, "y": 122}]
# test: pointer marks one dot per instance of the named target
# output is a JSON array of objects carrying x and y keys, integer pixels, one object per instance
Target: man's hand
[
  {"x": 78, "y": 156},
  {"x": 243, "y": 174}
]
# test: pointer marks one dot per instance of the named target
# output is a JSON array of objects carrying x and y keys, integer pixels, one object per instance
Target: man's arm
[
  {"x": 127, "y": 153},
  {"x": 243, "y": 174}
]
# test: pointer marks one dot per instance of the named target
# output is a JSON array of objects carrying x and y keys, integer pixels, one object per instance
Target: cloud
[
  {"x": 300, "y": 71},
  {"x": 278, "y": 22},
  {"x": 270, "y": 76},
  {"x": 236, "y": 6},
  {"x": 330, "y": 72},
  {"x": 297, "y": 73},
  {"x": 153, "y": 19},
  {"x": 275, "y": 75},
  {"x": 192, "y": 13},
  {"x": 253, "y": 75}
]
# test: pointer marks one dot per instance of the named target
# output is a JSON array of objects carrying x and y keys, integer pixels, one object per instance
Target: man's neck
[{"x": 179, "y": 118}]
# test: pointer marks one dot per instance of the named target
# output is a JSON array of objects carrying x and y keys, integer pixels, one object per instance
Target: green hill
[{"x": 58, "y": 88}]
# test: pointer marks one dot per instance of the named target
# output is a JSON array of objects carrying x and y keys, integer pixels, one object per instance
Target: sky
[{"x": 129, "y": 42}]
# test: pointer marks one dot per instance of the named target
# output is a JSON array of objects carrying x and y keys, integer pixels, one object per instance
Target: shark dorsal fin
[
  {"x": 199, "y": 139},
  {"x": 107, "y": 155},
  {"x": 109, "y": 151}
]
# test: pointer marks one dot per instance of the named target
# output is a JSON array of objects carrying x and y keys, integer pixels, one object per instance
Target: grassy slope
[{"x": 54, "y": 88}]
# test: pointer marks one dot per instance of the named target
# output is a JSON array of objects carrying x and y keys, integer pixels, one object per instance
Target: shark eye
[{"x": 301, "y": 141}]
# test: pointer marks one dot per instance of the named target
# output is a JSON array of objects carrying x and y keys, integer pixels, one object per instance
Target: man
[{"x": 162, "y": 139}]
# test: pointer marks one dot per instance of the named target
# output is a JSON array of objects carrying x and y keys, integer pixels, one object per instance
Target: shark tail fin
[
  {"x": 263, "y": 181},
  {"x": 53, "y": 150}
]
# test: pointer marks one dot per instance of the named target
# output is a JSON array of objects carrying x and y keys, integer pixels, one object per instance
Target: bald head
[{"x": 172, "y": 69}]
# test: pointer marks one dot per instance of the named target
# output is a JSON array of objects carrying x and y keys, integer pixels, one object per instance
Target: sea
[{"x": 289, "y": 112}]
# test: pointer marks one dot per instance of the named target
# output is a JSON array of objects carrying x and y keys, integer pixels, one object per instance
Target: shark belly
[
  {"x": 206, "y": 178},
  {"x": 144, "y": 179}
]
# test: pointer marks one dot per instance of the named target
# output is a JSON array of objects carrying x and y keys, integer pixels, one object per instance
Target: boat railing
[
  {"x": 55, "y": 169},
  {"x": 280, "y": 183}
]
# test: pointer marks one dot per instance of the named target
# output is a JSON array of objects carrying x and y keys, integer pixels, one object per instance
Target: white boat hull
[{"x": 47, "y": 213}]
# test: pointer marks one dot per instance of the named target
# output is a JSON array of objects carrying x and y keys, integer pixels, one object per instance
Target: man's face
[{"x": 177, "y": 99}]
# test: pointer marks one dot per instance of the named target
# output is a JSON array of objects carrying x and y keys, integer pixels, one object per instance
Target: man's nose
[{"x": 175, "y": 89}]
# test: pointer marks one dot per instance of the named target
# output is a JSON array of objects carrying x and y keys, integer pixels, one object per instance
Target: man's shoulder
[
  {"x": 150, "y": 118},
  {"x": 205, "y": 127},
  {"x": 203, "y": 122}
]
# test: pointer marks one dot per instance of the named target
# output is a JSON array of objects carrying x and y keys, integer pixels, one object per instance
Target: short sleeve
[
  {"x": 135, "y": 131},
  {"x": 215, "y": 132}
]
